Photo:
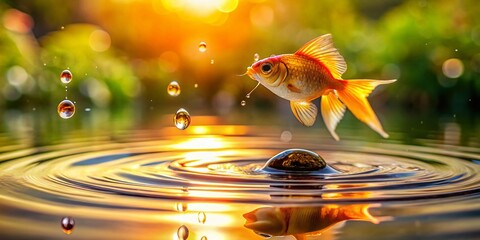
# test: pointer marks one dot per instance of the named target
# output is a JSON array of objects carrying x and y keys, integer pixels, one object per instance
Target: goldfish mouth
[{"x": 251, "y": 73}]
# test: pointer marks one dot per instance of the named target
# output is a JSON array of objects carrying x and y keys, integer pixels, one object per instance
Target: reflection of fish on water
[
  {"x": 314, "y": 71},
  {"x": 304, "y": 222}
]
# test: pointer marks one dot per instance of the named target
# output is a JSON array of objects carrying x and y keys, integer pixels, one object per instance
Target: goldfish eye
[{"x": 266, "y": 68}]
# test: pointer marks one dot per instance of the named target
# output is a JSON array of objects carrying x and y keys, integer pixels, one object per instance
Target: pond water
[{"x": 209, "y": 182}]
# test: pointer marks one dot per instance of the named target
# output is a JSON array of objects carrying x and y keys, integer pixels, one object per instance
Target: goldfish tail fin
[
  {"x": 305, "y": 112},
  {"x": 332, "y": 112},
  {"x": 354, "y": 94}
]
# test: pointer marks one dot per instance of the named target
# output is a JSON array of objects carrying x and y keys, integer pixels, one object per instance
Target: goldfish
[
  {"x": 303, "y": 222},
  {"x": 315, "y": 71}
]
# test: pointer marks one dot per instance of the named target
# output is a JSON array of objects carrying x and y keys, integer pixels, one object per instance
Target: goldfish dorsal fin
[
  {"x": 306, "y": 112},
  {"x": 322, "y": 49},
  {"x": 332, "y": 112}
]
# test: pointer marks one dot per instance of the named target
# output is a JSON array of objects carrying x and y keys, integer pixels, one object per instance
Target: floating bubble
[
  {"x": 286, "y": 136},
  {"x": 202, "y": 217},
  {"x": 256, "y": 57},
  {"x": 212, "y": 61},
  {"x": 195, "y": 86},
  {"x": 182, "y": 232},
  {"x": 452, "y": 68},
  {"x": 66, "y": 76},
  {"x": 67, "y": 224},
  {"x": 66, "y": 109},
  {"x": 243, "y": 103},
  {"x": 173, "y": 89},
  {"x": 182, "y": 119},
  {"x": 202, "y": 47}
]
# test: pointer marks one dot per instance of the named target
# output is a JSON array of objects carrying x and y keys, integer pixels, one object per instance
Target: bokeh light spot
[
  {"x": 100, "y": 41},
  {"x": 452, "y": 68}
]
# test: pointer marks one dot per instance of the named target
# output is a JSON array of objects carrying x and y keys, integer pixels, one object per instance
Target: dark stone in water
[{"x": 296, "y": 160}]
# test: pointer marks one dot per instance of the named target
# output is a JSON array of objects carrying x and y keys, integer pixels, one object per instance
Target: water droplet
[
  {"x": 88, "y": 109},
  {"x": 181, "y": 119},
  {"x": 181, "y": 207},
  {"x": 286, "y": 136},
  {"x": 44, "y": 64},
  {"x": 202, "y": 47},
  {"x": 296, "y": 160},
  {"x": 173, "y": 89},
  {"x": 67, "y": 224},
  {"x": 243, "y": 103},
  {"x": 195, "y": 86},
  {"x": 456, "y": 50},
  {"x": 203, "y": 238},
  {"x": 212, "y": 61},
  {"x": 248, "y": 95},
  {"x": 66, "y": 76},
  {"x": 182, "y": 232},
  {"x": 256, "y": 57},
  {"x": 66, "y": 109},
  {"x": 202, "y": 217},
  {"x": 63, "y": 27}
]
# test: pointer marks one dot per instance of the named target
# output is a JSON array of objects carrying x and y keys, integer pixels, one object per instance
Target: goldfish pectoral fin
[
  {"x": 306, "y": 112},
  {"x": 293, "y": 88},
  {"x": 355, "y": 94},
  {"x": 332, "y": 112},
  {"x": 322, "y": 49}
]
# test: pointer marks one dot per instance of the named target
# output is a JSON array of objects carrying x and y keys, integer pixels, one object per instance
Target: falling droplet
[
  {"x": 202, "y": 47},
  {"x": 181, "y": 207},
  {"x": 66, "y": 109},
  {"x": 182, "y": 119},
  {"x": 182, "y": 232},
  {"x": 248, "y": 94},
  {"x": 256, "y": 57},
  {"x": 243, "y": 103},
  {"x": 202, "y": 217},
  {"x": 173, "y": 89},
  {"x": 67, "y": 224},
  {"x": 66, "y": 76}
]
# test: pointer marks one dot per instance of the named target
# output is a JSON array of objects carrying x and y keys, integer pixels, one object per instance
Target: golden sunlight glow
[
  {"x": 191, "y": 218},
  {"x": 200, "y": 8},
  {"x": 203, "y": 157},
  {"x": 207, "y": 142}
]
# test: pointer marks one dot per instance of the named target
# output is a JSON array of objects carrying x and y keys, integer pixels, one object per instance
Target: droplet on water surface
[
  {"x": 173, "y": 89},
  {"x": 256, "y": 57},
  {"x": 182, "y": 119},
  {"x": 67, "y": 224},
  {"x": 66, "y": 76},
  {"x": 66, "y": 109},
  {"x": 202, "y": 217},
  {"x": 202, "y": 47},
  {"x": 300, "y": 161},
  {"x": 243, "y": 103},
  {"x": 182, "y": 232}
]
